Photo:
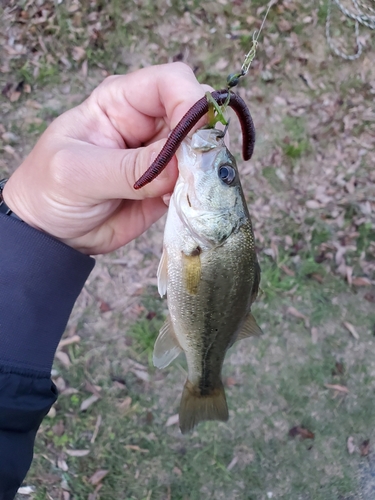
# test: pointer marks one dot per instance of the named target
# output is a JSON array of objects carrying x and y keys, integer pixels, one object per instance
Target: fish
[{"x": 209, "y": 272}]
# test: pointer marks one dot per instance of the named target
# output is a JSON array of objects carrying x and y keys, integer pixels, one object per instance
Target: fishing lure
[
  {"x": 191, "y": 118},
  {"x": 217, "y": 102}
]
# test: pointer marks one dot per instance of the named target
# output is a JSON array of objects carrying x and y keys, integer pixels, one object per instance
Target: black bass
[{"x": 209, "y": 271}]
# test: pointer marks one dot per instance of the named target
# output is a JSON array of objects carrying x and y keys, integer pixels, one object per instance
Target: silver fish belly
[{"x": 209, "y": 271}]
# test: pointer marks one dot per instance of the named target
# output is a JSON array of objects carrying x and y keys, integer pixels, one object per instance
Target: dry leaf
[
  {"x": 26, "y": 490},
  {"x": 78, "y": 53},
  {"x": 351, "y": 329},
  {"x": 63, "y": 358},
  {"x": 337, "y": 387},
  {"x": 77, "y": 453},
  {"x": 61, "y": 464},
  {"x": 365, "y": 448},
  {"x": 172, "y": 420},
  {"x": 88, "y": 402},
  {"x": 287, "y": 271},
  {"x": 302, "y": 432},
  {"x": 14, "y": 96},
  {"x": 98, "y": 476},
  {"x": 134, "y": 447},
  {"x": 284, "y": 25},
  {"x": 142, "y": 375},
  {"x": 297, "y": 314},
  {"x": 314, "y": 335},
  {"x": 350, "y": 445},
  {"x": 232, "y": 463},
  {"x": 361, "y": 282},
  {"x": 68, "y": 341},
  {"x": 52, "y": 413},
  {"x": 313, "y": 204}
]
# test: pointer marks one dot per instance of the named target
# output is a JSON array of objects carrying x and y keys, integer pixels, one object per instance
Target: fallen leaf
[
  {"x": 88, "y": 402},
  {"x": 361, "y": 282},
  {"x": 317, "y": 277},
  {"x": 284, "y": 25},
  {"x": 61, "y": 464},
  {"x": 98, "y": 476},
  {"x": 177, "y": 471},
  {"x": 365, "y": 448},
  {"x": 52, "y": 413},
  {"x": 232, "y": 463},
  {"x": 350, "y": 445},
  {"x": 141, "y": 375},
  {"x": 337, "y": 387},
  {"x": 351, "y": 329},
  {"x": 313, "y": 204},
  {"x": 173, "y": 420},
  {"x": 230, "y": 382},
  {"x": 14, "y": 96},
  {"x": 63, "y": 358},
  {"x": 297, "y": 314},
  {"x": 134, "y": 447},
  {"x": 314, "y": 335},
  {"x": 287, "y": 271},
  {"x": 104, "y": 306},
  {"x": 25, "y": 490},
  {"x": 77, "y": 453},
  {"x": 68, "y": 341},
  {"x": 302, "y": 432}
]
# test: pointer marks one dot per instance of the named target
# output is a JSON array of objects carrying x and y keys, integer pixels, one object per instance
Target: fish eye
[{"x": 227, "y": 174}]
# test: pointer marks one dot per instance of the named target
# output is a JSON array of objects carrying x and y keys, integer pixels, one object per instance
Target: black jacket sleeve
[{"x": 40, "y": 279}]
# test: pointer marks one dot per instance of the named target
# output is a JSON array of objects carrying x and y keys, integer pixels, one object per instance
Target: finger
[
  {"x": 96, "y": 174},
  {"x": 127, "y": 223},
  {"x": 134, "y": 103}
]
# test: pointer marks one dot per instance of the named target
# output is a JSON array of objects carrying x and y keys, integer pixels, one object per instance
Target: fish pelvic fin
[
  {"x": 166, "y": 347},
  {"x": 195, "y": 407}
]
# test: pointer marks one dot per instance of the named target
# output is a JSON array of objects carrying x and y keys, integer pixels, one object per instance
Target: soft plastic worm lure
[{"x": 191, "y": 118}]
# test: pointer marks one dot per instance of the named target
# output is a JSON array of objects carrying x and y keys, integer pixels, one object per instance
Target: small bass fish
[{"x": 209, "y": 271}]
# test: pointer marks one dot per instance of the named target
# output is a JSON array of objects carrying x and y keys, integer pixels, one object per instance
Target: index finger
[{"x": 140, "y": 104}]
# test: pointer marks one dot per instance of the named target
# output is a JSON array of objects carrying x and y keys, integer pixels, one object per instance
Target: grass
[{"x": 280, "y": 383}]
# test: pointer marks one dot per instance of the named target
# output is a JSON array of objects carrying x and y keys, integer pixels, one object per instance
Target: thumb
[{"x": 107, "y": 173}]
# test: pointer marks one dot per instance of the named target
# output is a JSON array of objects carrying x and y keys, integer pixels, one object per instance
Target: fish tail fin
[{"x": 195, "y": 407}]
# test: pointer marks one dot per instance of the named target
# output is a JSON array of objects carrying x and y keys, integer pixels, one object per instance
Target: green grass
[{"x": 281, "y": 381}]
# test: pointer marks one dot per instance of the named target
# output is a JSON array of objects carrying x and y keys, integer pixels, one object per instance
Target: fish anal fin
[
  {"x": 195, "y": 408},
  {"x": 166, "y": 347},
  {"x": 192, "y": 271},
  {"x": 250, "y": 328},
  {"x": 162, "y": 274}
]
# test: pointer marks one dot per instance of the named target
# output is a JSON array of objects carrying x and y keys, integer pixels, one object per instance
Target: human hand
[{"x": 77, "y": 182}]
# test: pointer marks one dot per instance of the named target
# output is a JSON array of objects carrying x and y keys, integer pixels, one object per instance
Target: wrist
[{"x": 4, "y": 208}]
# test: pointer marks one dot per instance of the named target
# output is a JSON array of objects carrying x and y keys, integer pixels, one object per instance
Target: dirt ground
[{"x": 301, "y": 397}]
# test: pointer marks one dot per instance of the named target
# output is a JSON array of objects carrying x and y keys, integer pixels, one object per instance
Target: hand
[{"x": 77, "y": 182}]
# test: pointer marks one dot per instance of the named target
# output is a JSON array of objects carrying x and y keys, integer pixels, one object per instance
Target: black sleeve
[{"x": 40, "y": 279}]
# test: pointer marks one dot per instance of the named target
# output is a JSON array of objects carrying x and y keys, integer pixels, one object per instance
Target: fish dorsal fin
[
  {"x": 166, "y": 347},
  {"x": 162, "y": 274},
  {"x": 250, "y": 328}
]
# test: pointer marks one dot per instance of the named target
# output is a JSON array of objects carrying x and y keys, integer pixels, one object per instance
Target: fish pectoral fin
[
  {"x": 162, "y": 274},
  {"x": 195, "y": 408},
  {"x": 250, "y": 328},
  {"x": 166, "y": 347}
]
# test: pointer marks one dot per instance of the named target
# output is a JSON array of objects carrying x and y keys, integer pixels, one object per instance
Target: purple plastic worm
[{"x": 195, "y": 113}]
